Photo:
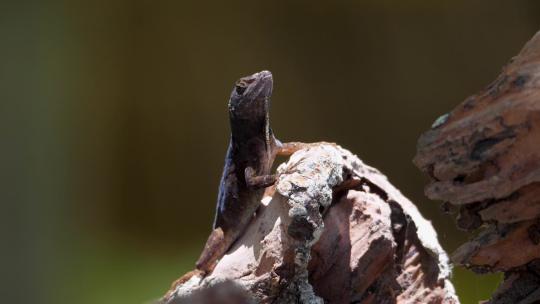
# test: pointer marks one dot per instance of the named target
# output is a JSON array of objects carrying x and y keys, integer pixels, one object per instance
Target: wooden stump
[
  {"x": 484, "y": 159},
  {"x": 332, "y": 230}
]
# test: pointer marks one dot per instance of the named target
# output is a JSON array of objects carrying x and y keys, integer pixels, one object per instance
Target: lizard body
[{"x": 248, "y": 162}]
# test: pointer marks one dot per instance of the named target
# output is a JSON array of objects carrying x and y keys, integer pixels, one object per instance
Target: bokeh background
[{"x": 115, "y": 124}]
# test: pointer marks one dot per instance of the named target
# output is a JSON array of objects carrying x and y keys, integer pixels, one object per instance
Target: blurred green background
[{"x": 115, "y": 124}]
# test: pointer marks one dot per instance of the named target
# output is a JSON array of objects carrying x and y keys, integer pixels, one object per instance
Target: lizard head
[{"x": 251, "y": 95}]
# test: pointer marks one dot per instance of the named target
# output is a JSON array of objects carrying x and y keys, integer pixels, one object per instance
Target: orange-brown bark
[
  {"x": 484, "y": 158},
  {"x": 333, "y": 231}
]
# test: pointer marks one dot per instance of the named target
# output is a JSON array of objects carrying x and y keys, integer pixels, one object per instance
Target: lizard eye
[
  {"x": 240, "y": 89},
  {"x": 242, "y": 84}
]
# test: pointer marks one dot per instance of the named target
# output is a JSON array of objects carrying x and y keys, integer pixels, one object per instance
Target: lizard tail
[
  {"x": 214, "y": 249},
  {"x": 216, "y": 246}
]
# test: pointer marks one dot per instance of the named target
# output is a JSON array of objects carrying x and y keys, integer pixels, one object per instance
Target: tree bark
[
  {"x": 331, "y": 230},
  {"x": 484, "y": 159}
]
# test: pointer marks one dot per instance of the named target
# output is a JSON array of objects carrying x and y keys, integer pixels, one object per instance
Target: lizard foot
[{"x": 186, "y": 277}]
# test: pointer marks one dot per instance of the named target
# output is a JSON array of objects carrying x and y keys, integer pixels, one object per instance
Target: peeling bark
[
  {"x": 484, "y": 157},
  {"x": 332, "y": 230}
]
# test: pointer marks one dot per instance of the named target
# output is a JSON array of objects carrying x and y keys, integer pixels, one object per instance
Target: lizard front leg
[
  {"x": 288, "y": 148},
  {"x": 254, "y": 181}
]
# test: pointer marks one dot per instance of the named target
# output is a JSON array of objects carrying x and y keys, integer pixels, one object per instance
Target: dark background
[{"x": 115, "y": 121}]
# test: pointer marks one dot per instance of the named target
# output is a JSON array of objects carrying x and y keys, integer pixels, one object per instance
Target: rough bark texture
[
  {"x": 484, "y": 158},
  {"x": 332, "y": 230}
]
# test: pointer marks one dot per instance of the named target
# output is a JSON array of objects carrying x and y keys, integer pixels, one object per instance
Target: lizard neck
[{"x": 244, "y": 129}]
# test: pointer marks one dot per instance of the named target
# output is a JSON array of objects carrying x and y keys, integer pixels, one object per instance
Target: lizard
[{"x": 247, "y": 171}]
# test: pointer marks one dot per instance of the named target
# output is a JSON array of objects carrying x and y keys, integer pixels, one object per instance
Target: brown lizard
[{"x": 247, "y": 171}]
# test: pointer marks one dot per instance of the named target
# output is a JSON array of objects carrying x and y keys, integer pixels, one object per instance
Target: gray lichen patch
[
  {"x": 441, "y": 120},
  {"x": 306, "y": 181}
]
